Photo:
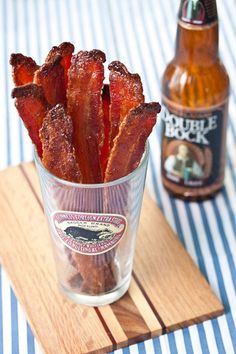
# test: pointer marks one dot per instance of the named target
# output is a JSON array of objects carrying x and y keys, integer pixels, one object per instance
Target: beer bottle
[{"x": 195, "y": 91}]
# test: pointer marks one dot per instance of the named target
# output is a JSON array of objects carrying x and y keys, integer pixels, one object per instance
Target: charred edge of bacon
[
  {"x": 120, "y": 68},
  {"x": 152, "y": 107},
  {"x": 94, "y": 54},
  {"x": 63, "y": 49},
  {"x": 18, "y": 59},
  {"x": 66, "y": 48},
  {"x": 49, "y": 66},
  {"x": 29, "y": 90}
]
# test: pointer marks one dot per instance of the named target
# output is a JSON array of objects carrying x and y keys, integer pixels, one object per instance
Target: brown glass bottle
[{"x": 195, "y": 91}]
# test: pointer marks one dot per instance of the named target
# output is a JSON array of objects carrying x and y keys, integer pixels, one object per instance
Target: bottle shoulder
[{"x": 188, "y": 84}]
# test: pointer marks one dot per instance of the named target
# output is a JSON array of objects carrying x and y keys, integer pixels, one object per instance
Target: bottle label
[
  {"x": 192, "y": 145},
  {"x": 198, "y": 12},
  {"x": 89, "y": 233}
]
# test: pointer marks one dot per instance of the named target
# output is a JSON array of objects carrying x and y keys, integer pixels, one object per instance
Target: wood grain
[
  {"x": 114, "y": 326},
  {"x": 155, "y": 327},
  {"x": 175, "y": 286},
  {"x": 167, "y": 285},
  {"x": 124, "y": 309}
]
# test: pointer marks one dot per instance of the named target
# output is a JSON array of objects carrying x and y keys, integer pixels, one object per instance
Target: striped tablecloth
[{"x": 141, "y": 34}]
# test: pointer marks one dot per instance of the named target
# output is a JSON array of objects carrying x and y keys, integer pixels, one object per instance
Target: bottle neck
[
  {"x": 197, "y": 33},
  {"x": 197, "y": 43}
]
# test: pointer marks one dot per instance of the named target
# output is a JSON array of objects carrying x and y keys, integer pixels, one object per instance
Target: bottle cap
[{"x": 198, "y": 12}]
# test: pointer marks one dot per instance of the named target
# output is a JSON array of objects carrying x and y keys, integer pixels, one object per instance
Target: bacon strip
[
  {"x": 96, "y": 273},
  {"x": 32, "y": 108},
  {"x": 51, "y": 77},
  {"x": 126, "y": 92},
  {"x": 130, "y": 143},
  {"x": 23, "y": 69},
  {"x": 58, "y": 151},
  {"x": 85, "y": 83},
  {"x": 66, "y": 50},
  {"x": 106, "y": 123}
]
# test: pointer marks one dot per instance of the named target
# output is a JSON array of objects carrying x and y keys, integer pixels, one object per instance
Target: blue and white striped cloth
[{"x": 141, "y": 34}]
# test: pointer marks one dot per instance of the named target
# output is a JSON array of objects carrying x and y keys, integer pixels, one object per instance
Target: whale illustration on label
[{"x": 89, "y": 233}]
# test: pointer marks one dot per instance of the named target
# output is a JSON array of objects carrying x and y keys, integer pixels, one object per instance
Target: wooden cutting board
[{"x": 167, "y": 290}]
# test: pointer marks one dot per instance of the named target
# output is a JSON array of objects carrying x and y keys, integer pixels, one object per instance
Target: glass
[{"x": 93, "y": 228}]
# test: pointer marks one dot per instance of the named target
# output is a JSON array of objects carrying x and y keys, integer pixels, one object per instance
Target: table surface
[{"x": 141, "y": 34}]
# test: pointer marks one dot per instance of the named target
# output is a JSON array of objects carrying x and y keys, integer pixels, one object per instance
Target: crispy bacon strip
[
  {"x": 51, "y": 77},
  {"x": 58, "y": 151},
  {"x": 23, "y": 69},
  {"x": 126, "y": 92},
  {"x": 32, "y": 108},
  {"x": 129, "y": 144},
  {"x": 106, "y": 123},
  {"x": 96, "y": 273},
  {"x": 66, "y": 50},
  {"x": 85, "y": 83}
]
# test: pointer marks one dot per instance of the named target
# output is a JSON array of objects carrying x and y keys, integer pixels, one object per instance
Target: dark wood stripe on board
[
  {"x": 105, "y": 326},
  {"x": 130, "y": 319},
  {"x": 150, "y": 303}
]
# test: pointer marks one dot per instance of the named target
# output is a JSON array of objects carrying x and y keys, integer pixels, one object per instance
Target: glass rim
[{"x": 95, "y": 185}]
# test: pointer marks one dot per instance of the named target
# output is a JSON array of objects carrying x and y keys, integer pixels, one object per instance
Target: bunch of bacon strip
[{"x": 97, "y": 132}]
